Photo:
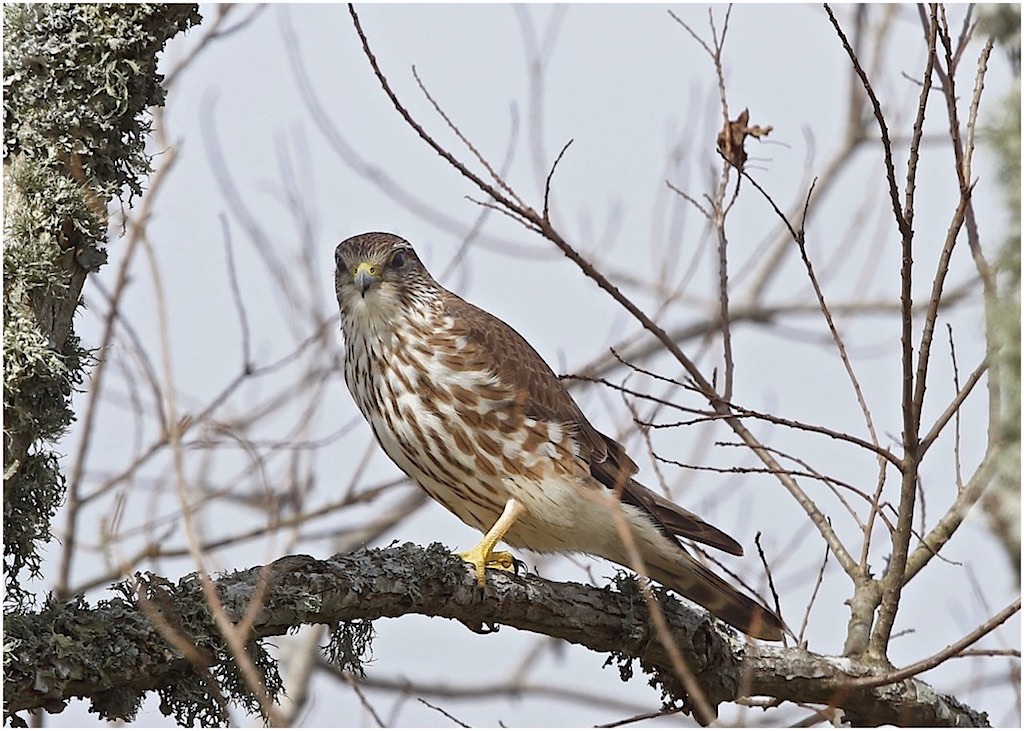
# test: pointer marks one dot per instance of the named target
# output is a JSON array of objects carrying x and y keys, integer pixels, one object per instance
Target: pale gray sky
[{"x": 638, "y": 97}]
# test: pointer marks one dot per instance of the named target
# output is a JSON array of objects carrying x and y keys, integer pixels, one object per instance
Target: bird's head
[{"x": 379, "y": 275}]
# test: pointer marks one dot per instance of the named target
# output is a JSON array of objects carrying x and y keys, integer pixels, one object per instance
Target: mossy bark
[{"x": 77, "y": 81}]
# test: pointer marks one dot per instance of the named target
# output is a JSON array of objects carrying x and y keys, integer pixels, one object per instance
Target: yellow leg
[{"x": 483, "y": 554}]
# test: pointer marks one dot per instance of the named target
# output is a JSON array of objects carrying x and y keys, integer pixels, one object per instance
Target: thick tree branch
[
  {"x": 67, "y": 156},
  {"x": 56, "y": 652}
]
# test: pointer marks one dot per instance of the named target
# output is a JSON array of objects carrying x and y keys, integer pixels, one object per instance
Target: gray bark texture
[
  {"x": 78, "y": 79},
  {"x": 113, "y": 653}
]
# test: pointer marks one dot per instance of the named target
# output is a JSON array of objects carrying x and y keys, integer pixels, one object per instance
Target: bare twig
[
  {"x": 444, "y": 713},
  {"x": 545, "y": 228},
  {"x": 938, "y": 658}
]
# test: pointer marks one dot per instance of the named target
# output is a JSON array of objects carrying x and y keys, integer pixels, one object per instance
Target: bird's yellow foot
[
  {"x": 483, "y": 558},
  {"x": 483, "y": 555}
]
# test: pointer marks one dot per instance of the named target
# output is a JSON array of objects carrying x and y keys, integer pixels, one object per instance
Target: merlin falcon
[{"x": 470, "y": 411}]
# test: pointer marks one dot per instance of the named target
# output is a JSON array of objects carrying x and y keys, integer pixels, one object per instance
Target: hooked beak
[{"x": 365, "y": 276}]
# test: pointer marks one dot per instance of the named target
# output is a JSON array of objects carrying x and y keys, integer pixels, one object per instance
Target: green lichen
[
  {"x": 95, "y": 67},
  {"x": 113, "y": 653},
  {"x": 1002, "y": 136},
  {"x": 203, "y": 698},
  {"x": 78, "y": 80},
  {"x": 350, "y": 645}
]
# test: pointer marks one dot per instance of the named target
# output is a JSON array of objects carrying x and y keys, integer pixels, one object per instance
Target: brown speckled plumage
[{"x": 470, "y": 411}]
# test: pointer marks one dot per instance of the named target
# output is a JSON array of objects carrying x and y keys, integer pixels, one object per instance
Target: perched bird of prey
[{"x": 470, "y": 411}]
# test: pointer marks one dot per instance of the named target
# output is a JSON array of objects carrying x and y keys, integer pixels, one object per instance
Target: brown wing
[
  {"x": 545, "y": 398},
  {"x": 514, "y": 361}
]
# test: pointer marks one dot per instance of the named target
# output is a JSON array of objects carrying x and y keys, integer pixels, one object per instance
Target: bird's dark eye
[{"x": 398, "y": 260}]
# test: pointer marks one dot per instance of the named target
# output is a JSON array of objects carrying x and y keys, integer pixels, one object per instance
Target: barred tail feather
[{"x": 683, "y": 574}]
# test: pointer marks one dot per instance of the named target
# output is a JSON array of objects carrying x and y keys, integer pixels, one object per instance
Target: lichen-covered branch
[
  {"x": 77, "y": 82},
  {"x": 113, "y": 654}
]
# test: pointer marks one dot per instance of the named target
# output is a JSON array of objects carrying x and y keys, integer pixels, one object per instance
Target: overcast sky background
[{"x": 638, "y": 97}]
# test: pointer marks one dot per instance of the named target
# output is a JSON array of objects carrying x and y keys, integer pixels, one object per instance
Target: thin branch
[
  {"x": 138, "y": 224},
  {"x": 799, "y": 238},
  {"x": 953, "y": 408},
  {"x": 801, "y": 642},
  {"x": 738, "y": 412},
  {"x": 444, "y": 713},
  {"x": 911, "y": 405},
  {"x": 950, "y": 522},
  {"x": 433, "y": 582},
  {"x": 236, "y": 297},
  {"x": 946, "y": 653},
  {"x": 363, "y": 700},
  {"x": 890, "y": 170},
  {"x": 545, "y": 228},
  {"x": 465, "y": 140}
]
